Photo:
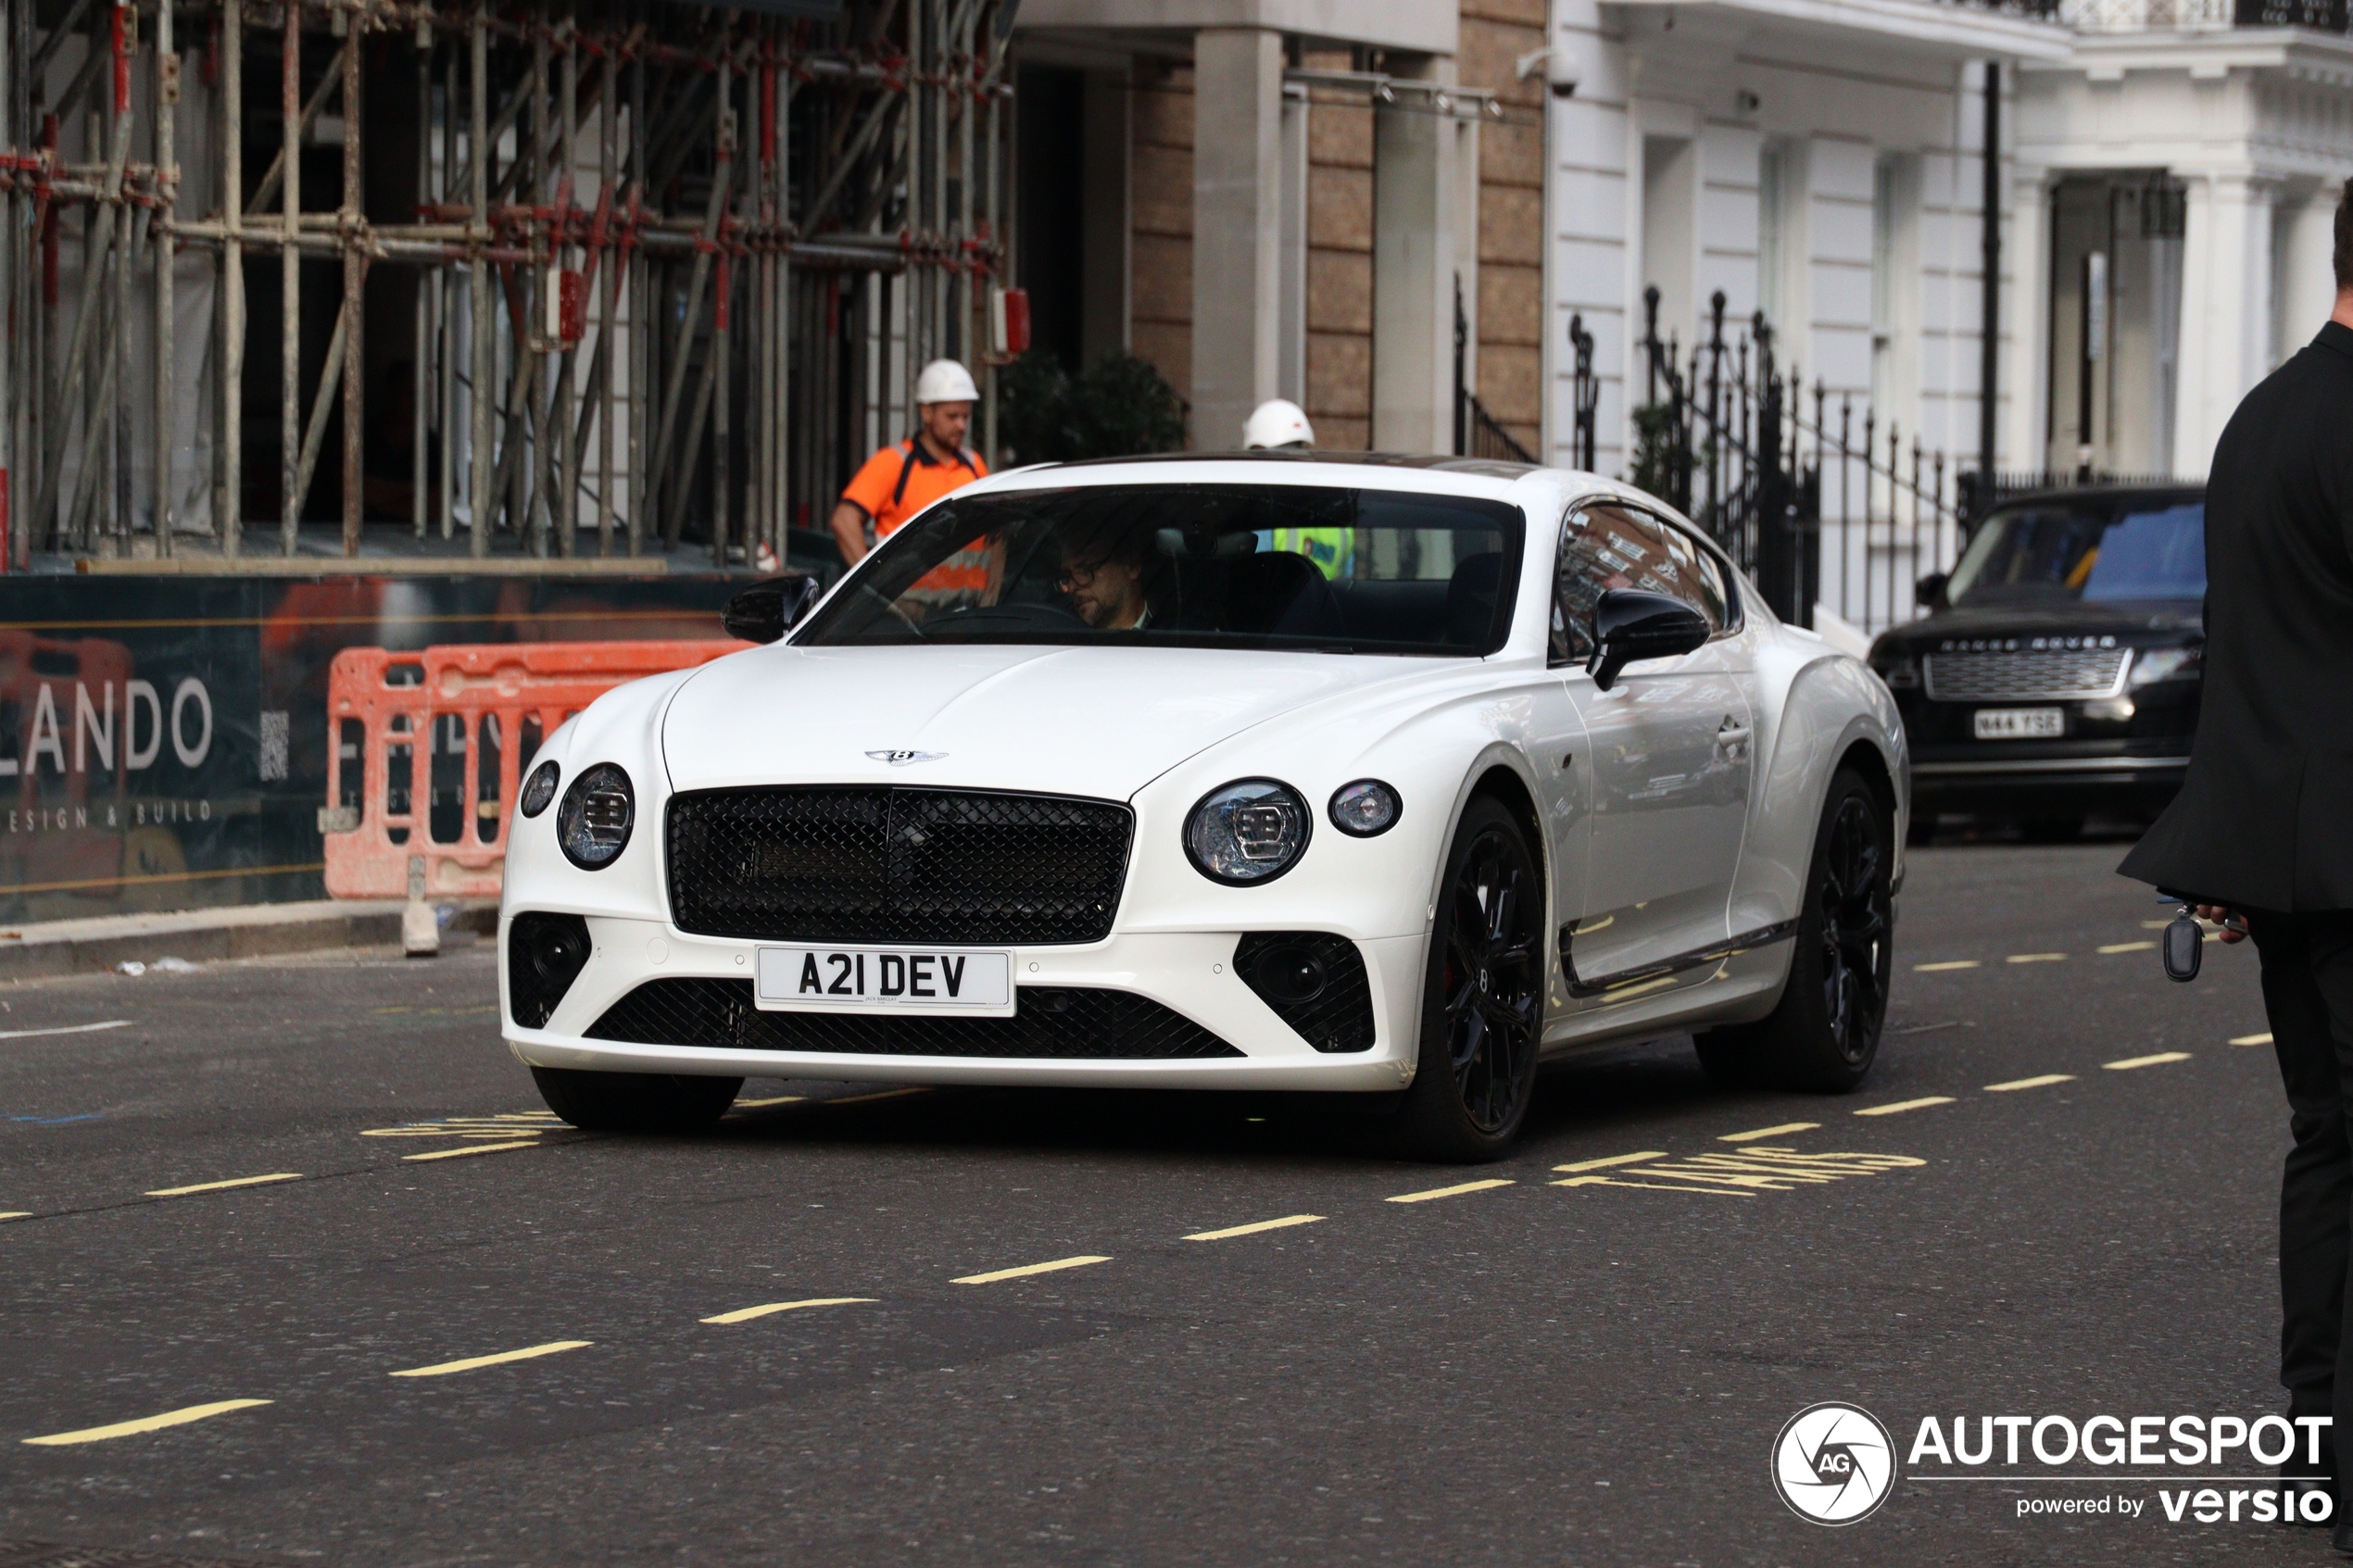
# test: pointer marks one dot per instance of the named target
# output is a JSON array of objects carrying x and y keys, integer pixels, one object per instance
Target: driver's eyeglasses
[{"x": 1078, "y": 574}]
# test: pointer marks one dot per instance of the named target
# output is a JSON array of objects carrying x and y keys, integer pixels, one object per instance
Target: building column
[
  {"x": 2307, "y": 269},
  {"x": 2226, "y": 293},
  {"x": 1414, "y": 260},
  {"x": 2025, "y": 359},
  {"x": 1238, "y": 228}
]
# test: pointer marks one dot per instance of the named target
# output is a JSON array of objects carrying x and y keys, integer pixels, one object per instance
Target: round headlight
[
  {"x": 539, "y": 789},
  {"x": 594, "y": 822},
  {"x": 1250, "y": 831},
  {"x": 1365, "y": 809}
]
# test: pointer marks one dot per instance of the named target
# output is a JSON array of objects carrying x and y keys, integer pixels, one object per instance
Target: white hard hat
[
  {"x": 944, "y": 381},
  {"x": 1277, "y": 422}
]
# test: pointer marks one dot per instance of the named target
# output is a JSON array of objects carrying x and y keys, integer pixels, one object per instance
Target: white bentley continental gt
[{"x": 1286, "y": 771}]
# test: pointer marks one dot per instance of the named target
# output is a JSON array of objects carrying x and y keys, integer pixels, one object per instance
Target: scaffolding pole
[{"x": 599, "y": 266}]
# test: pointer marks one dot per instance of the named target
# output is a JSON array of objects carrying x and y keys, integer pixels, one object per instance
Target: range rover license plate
[
  {"x": 2020, "y": 723},
  {"x": 885, "y": 980}
]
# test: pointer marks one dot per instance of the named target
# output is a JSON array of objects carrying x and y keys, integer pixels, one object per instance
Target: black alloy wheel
[
  {"x": 1854, "y": 922},
  {"x": 1483, "y": 1002},
  {"x": 1823, "y": 1034},
  {"x": 635, "y": 1102}
]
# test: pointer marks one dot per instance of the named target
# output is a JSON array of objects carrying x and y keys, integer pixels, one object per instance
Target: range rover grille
[{"x": 2002, "y": 675}]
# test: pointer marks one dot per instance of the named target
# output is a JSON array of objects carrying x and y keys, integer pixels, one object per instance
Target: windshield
[
  {"x": 2057, "y": 550},
  {"x": 1267, "y": 566}
]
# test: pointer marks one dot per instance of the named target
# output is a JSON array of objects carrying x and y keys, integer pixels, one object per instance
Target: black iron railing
[
  {"x": 1808, "y": 491},
  {"x": 1477, "y": 433}
]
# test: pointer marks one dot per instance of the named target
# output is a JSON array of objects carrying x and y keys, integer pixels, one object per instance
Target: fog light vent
[
  {"x": 1315, "y": 982},
  {"x": 545, "y": 954}
]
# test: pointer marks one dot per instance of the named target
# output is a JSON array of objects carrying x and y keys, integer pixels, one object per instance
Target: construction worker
[
  {"x": 1277, "y": 426},
  {"x": 901, "y": 480},
  {"x": 1280, "y": 425}
]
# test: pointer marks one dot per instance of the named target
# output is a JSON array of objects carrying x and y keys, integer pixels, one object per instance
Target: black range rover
[{"x": 2057, "y": 670}]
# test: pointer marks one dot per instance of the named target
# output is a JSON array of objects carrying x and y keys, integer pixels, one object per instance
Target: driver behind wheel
[{"x": 1102, "y": 574}]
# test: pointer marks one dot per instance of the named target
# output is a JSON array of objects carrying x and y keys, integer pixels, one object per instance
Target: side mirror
[
  {"x": 765, "y": 612},
  {"x": 1631, "y": 623},
  {"x": 1930, "y": 590}
]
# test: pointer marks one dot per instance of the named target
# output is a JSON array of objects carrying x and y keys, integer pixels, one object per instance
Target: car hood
[
  {"x": 2139, "y": 621},
  {"x": 1092, "y": 721}
]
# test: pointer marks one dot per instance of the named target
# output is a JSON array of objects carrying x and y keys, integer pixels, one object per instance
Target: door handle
[{"x": 1732, "y": 736}]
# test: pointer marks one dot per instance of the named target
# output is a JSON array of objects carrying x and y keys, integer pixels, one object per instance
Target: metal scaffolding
[{"x": 583, "y": 277}]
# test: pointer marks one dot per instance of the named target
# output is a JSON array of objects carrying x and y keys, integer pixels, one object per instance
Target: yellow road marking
[
  {"x": 16, "y": 1214},
  {"x": 2044, "y": 1081},
  {"x": 220, "y": 1187},
  {"x": 443, "y": 1368},
  {"x": 2155, "y": 924},
  {"x": 1650, "y": 1186},
  {"x": 2129, "y": 948},
  {"x": 1027, "y": 1269},
  {"x": 1232, "y": 1231},
  {"x": 1949, "y": 963},
  {"x": 472, "y": 1149},
  {"x": 779, "y": 1100},
  {"x": 745, "y": 1314},
  {"x": 2262, "y": 1039},
  {"x": 1769, "y": 1132},
  {"x": 887, "y": 1094},
  {"x": 1613, "y": 1160},
  {"x": 2159, "y": 1059},
  {"x": 144, "y": 1423},
  {"x": 2034, "y": 957},
  {"x": 1920, "y": 1104},
  {"x": 1449, "y": 1192}
]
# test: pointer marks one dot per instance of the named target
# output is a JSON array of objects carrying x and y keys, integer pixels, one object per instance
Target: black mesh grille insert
[
  {"x": 1315, "y": 982},
  {"x": 1062, "y": 1023},
  {"x": 896, "y": 865}
]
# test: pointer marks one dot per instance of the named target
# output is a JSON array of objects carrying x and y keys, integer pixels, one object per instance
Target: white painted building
[{"x": 1823, "y": 160}]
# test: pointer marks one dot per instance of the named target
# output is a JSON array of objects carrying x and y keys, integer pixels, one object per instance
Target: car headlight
[
  {"x": 1900, "y": 670},
  {"x": 594, "y": 822},
  {"x": 539, "y": 789},
  {"x": 2152, "y": 665},
  {"x": 1247, "y": 832},
  {"x": 1365, "y": 809}
]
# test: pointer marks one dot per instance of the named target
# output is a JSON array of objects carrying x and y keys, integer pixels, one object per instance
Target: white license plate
[
  {"x": 884, "y": 980},
  {"x": 2020, "y": 723}
]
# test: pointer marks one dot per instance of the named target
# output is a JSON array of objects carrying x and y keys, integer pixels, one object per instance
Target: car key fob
[{"x": 2185, "y": 947}]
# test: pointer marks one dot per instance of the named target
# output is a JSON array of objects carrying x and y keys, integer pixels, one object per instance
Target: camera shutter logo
[{"x": 1833, "y": 1463}]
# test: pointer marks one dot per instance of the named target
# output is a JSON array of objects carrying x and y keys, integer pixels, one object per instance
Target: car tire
[
  {"x": 635, "y": 1102},
  {"x": 1823, "y": 1034},
  {"x": 1482, "y": 995}
]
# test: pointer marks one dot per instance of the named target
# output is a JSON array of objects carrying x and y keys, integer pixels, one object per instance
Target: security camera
[{"x": 1559, "y": 64}]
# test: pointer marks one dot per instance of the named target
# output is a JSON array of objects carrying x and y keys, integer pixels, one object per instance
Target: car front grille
[
  {"x": 896, "y": 865},
  {"x": 2004, "y": 675},
  {"x": 1062, "y": 1023}
]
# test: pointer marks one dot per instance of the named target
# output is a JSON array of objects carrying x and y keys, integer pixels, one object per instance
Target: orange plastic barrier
[{"x": 427, "y": 750}]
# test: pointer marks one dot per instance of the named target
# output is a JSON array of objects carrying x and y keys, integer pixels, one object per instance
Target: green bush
[{"x": 1121, "y": 407}]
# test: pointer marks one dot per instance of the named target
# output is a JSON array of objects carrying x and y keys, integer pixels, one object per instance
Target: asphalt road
[{"x": 1522, "y": 1372}]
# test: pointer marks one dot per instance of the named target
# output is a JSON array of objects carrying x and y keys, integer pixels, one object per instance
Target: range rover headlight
[
  {"x": 593, "y": 823},
  {"x": 2152, "y": 665},
  {"x": 1247, "y": 832},
  {"x": 540, "y": 788},
  {"x": 1365, "y": 809},
  {"x": 1897, "y": 668}
]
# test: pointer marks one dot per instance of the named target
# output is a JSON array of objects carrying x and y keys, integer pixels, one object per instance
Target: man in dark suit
[{"x": 2263, "y": 827}]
